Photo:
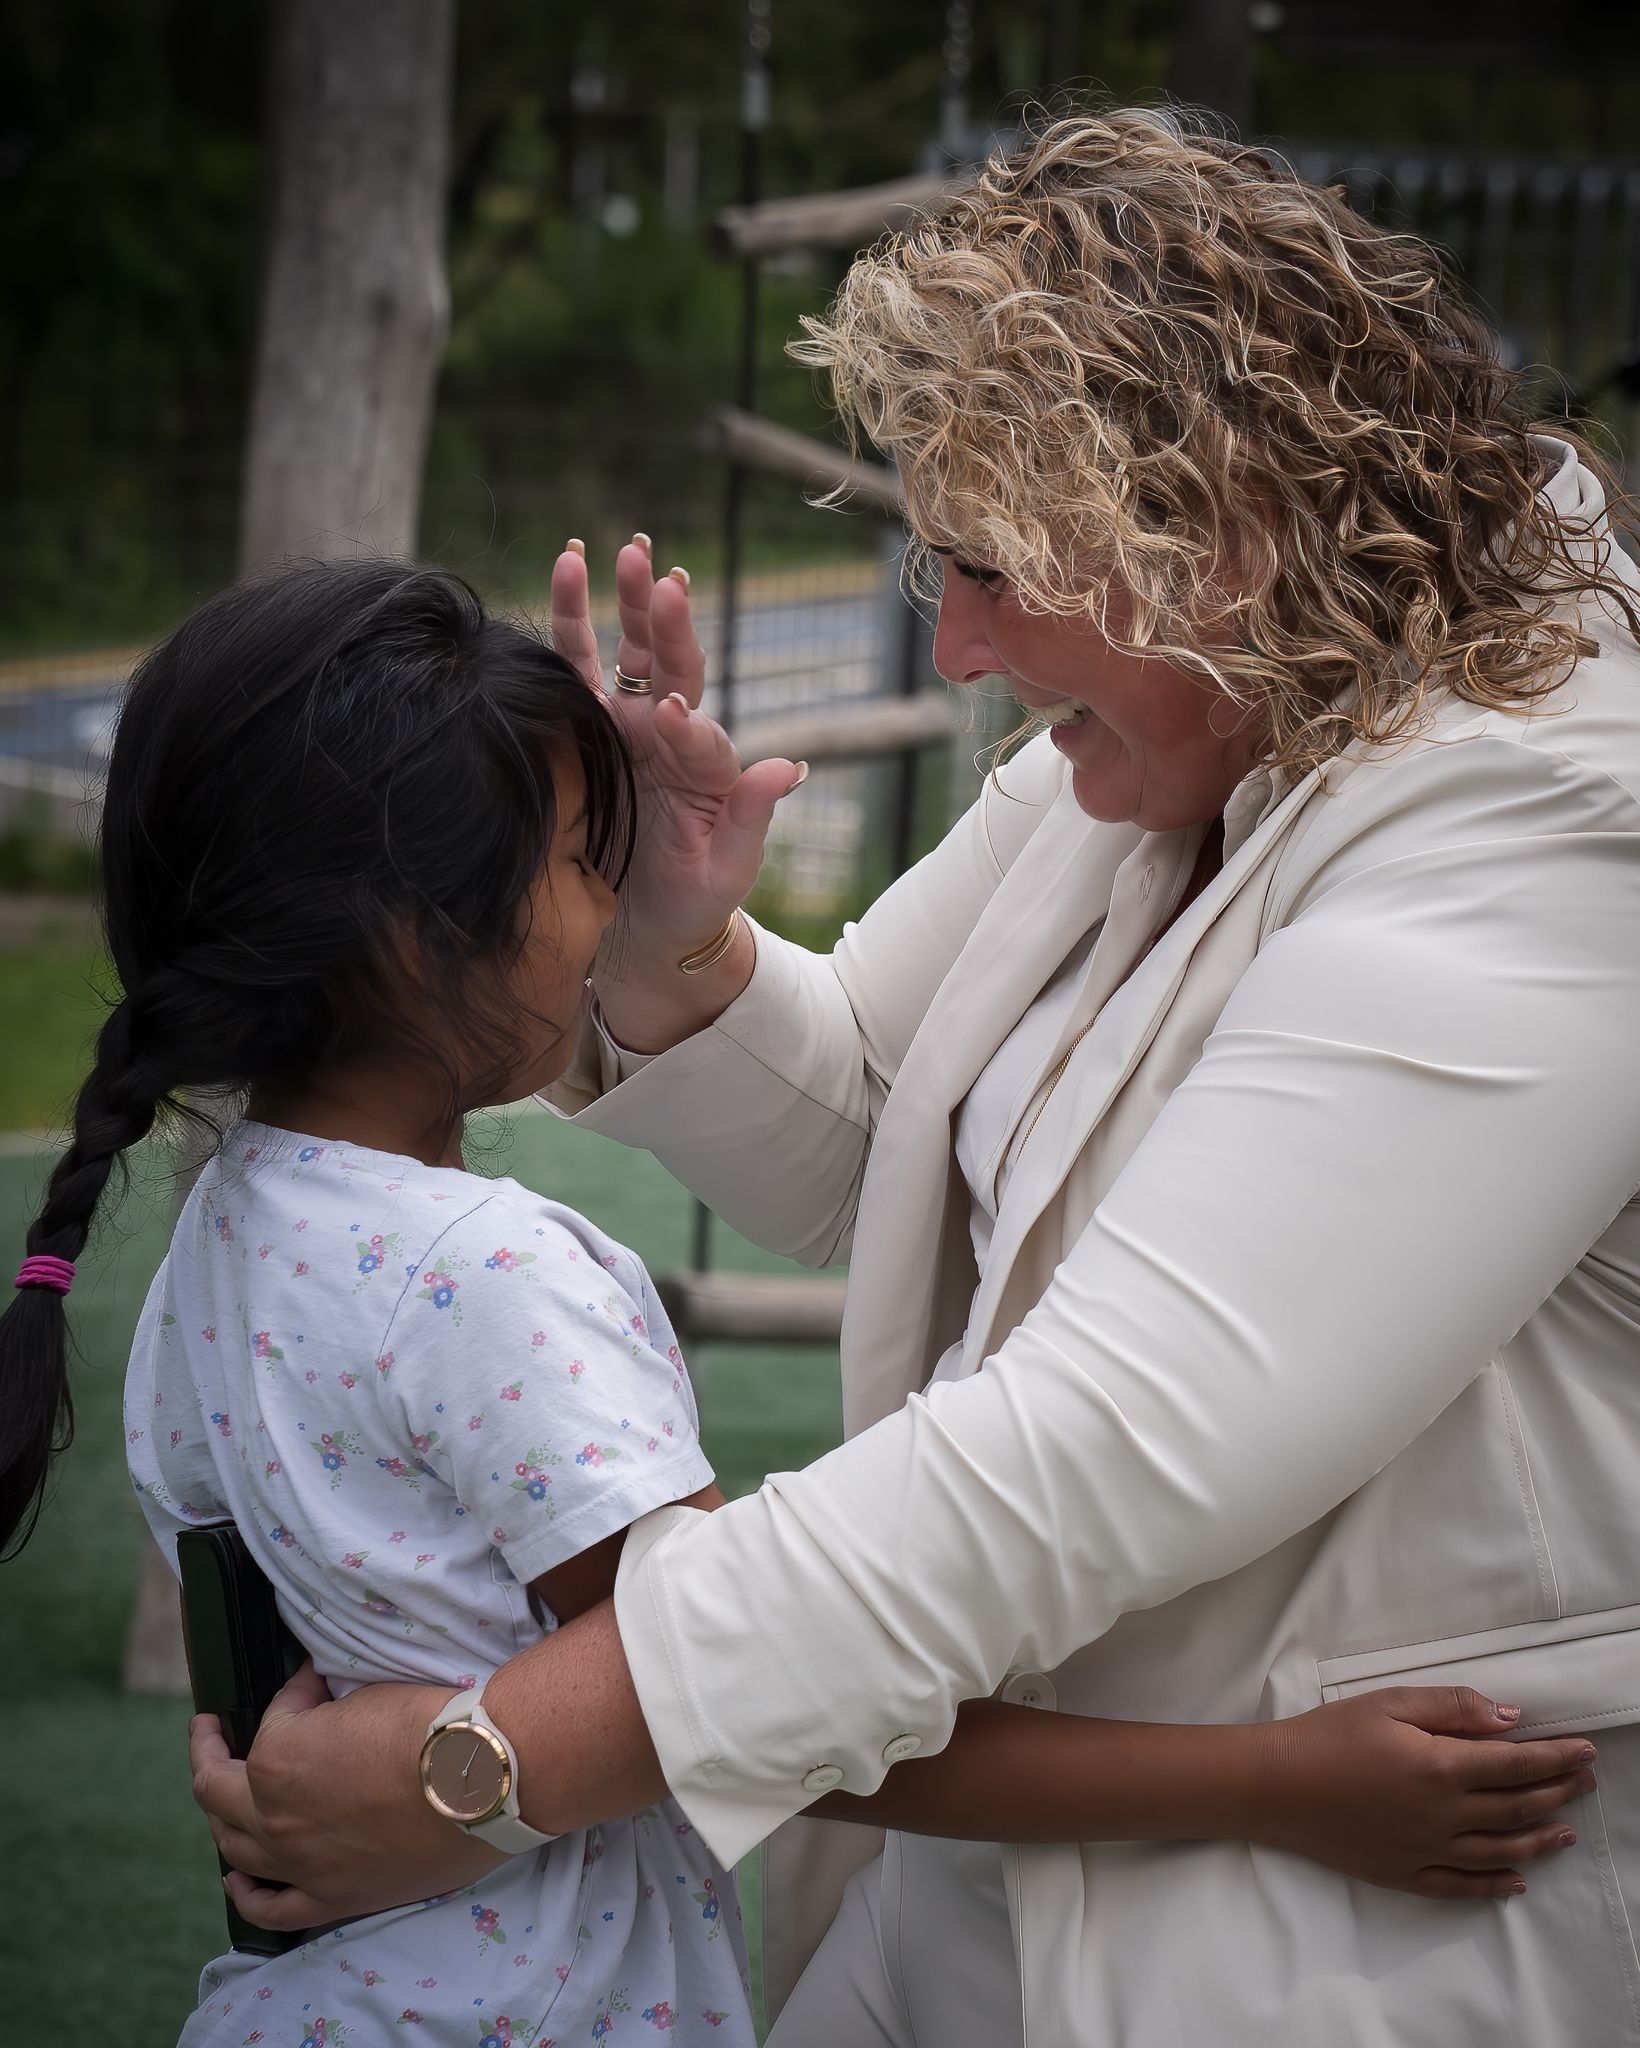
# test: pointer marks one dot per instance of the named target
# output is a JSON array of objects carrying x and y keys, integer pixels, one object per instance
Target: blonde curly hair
[{"x": 1136, "y": 353}]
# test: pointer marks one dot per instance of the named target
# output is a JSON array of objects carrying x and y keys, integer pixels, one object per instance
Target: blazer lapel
[
  {"x": 1058, "y": 886},
  {"x": 1102, "y": 1062}
]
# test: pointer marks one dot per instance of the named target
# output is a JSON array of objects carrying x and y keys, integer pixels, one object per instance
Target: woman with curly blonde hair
[{"x": 1234, "y": 1126}]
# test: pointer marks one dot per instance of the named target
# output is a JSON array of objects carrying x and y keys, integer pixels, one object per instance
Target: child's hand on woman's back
[{"x": 1402, "y": 1788}]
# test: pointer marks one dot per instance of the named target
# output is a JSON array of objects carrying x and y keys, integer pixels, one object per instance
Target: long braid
[{"x": 116, "y": 1109}]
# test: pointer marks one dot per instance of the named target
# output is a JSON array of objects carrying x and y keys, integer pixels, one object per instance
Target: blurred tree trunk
[
  {"x": 354, "y": 314},
  {"x": 1213, "y": 57},
  {"x": 355, "y": 305}
]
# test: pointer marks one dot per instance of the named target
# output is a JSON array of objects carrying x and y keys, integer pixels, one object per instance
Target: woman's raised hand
[{"x": 702, "y": 818}]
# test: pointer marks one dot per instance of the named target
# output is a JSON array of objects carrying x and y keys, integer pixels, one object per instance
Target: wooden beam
[
  {"x": 850, "y": 731},
  {"x": 741, "y": 437},
  {"x": 825, "y": 220},
  {"x": 754, "y": 1308}
]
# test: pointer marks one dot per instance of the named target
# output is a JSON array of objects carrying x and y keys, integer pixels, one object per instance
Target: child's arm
[
  {"x": 580, "y": 1582},
  {"x": 1390, "y": 1787}
]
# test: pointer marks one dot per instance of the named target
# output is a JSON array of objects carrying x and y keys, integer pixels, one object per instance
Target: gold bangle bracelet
[{"x": 711, "y": 953}]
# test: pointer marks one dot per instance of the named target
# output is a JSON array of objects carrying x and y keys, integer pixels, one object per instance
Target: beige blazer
[{"x": 1310, "y": 1331}]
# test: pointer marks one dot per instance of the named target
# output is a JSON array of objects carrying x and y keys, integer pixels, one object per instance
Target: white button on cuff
[
  {"x": 1030, "y": 1689},
  {"x": 822, "y": 1778},
  {"x": 901, "y": 1747}
]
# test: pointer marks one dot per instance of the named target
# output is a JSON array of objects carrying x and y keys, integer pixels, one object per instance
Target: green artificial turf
[{"x": 108, "y": 1890}]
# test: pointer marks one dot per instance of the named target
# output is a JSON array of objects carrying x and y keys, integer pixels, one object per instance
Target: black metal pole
[{"x": 754, "y": 118}]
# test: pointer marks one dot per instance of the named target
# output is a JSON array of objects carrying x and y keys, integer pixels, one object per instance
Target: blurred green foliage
[{"x": 592, "y": 322}]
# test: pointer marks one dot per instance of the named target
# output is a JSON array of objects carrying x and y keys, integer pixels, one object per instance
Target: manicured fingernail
[
  {"x": 1565, "y": 1839},
  {"x": 642, "y": 540},
  {"x": 679, "y": 576},
  {"x": 677, "y": 697},
  {"x": 1586, "y": 1754},
  {"x": 1518, "y": 1886},
  {"x": 1506, "y": 1713},
  {"x": 1586, "y": 1781},
  {"x": 576, "y": 547},
  {"x": 799, "y": 778}
]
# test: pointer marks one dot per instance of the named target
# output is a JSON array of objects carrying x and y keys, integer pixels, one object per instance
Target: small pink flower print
[
  {"x": 372, "y": 1977},
  {"x": 423, "y": 1442},
  {"x": 596, "y": 1454},
  {"x": 537, "y": 1339},
  {"x": 666, "y": 1429},
  {"x": 311, "y": 1377},
  {"x": 425, "y": 1983},
  {"x": 498, "y": 1535},
  {"x": 513, "y": 1392},
  {"x": 223, "y": 1426},
  {"x": 176, "y": 1438},
  {"x": 262, "y": 1344},
  {"x": 501, "y": 1261},
  {"x": 576, "y": 1368},
  {"x": 575, "y": 1258},
  {"x": 520, "y": 1962},
  {"x": 653, "y": 1444},
  {"x": 475, "y": 1422},
  {"x": 348, "y": 1379},
  {"x": 384, "y": 1364},
  {"x": 224, "y": 1230},
  {"x": 714, "y": 2019},
  {"x": 438, "y": 1288},
  {"x": 272, "y": 1468},
  {"x": 425, "y": 1557},
  {"x": 298, "y": 1269},
  {"x": 209, "y": 1333},
  {"x": 262, "y": 1250},
  {"x": 637, "y": 1324},
  {"x": 561, "y": 1970},
  {"x": 253, "y": 2037},
  {"x": 609, "y": 1259},
  {"x": 661, "y": 2017},
  {"x": 282, "y": 1536},
  {"x": 253, "y": 1152},
  {"x": 266, "y": 1991},
  {"x": 354, "y": 1558},
  {"x": 674, "y": 1354},
  {"x": 301, "y": 1223},
  {"x": 409, "y": 2017},
  {"x": 397, "y": 1536}
]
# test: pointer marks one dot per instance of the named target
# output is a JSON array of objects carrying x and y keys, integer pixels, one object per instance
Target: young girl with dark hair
[{"x": 360, "y": 847}]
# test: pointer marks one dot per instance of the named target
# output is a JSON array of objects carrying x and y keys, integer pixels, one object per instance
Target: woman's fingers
[
  {"x": 679, "y": 659},
  {"x": 1438, "y": 1882},
  {"x": 1488, "y": 1851},
  {"x": 280, "y": 1907},
  {"x": 634, "y": 587},
  {"x": 1493, "y": 1766},
  {"x": 299, "y": 1694},
  {"x": 572, "y": 632}
]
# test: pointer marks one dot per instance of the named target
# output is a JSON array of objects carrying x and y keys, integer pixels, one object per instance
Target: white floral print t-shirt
[{"x": 416, "y": 1390}]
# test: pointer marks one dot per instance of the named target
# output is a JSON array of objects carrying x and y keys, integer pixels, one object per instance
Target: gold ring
[{"x": 636, "y": 686}]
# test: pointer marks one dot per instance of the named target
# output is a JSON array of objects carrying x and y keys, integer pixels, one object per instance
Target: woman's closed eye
[{"x": 990, "y": 580}]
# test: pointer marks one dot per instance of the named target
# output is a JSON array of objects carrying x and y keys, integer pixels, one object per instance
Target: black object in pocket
[{"x": 239, "y": 1654}]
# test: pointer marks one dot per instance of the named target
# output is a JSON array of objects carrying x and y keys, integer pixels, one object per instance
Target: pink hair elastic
[{"x": 43, "y": 1269}]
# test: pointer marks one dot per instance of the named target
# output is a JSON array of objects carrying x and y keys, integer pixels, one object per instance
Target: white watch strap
[{"x": 507, "y": 1830}]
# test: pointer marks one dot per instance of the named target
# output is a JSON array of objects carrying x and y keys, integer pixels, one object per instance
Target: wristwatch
[{"x": 469, "y": 1774}]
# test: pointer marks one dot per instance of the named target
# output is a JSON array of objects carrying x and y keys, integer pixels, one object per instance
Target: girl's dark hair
[{"x": 312, "y": 770}]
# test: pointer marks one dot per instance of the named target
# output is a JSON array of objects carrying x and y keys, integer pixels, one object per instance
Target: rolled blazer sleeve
[
  {"x": 1419, "y": 1108},
  {"x": 767, "y": 1114}
]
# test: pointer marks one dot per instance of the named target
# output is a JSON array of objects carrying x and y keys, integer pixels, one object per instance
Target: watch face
[{"x": 465, "y": 1773}]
